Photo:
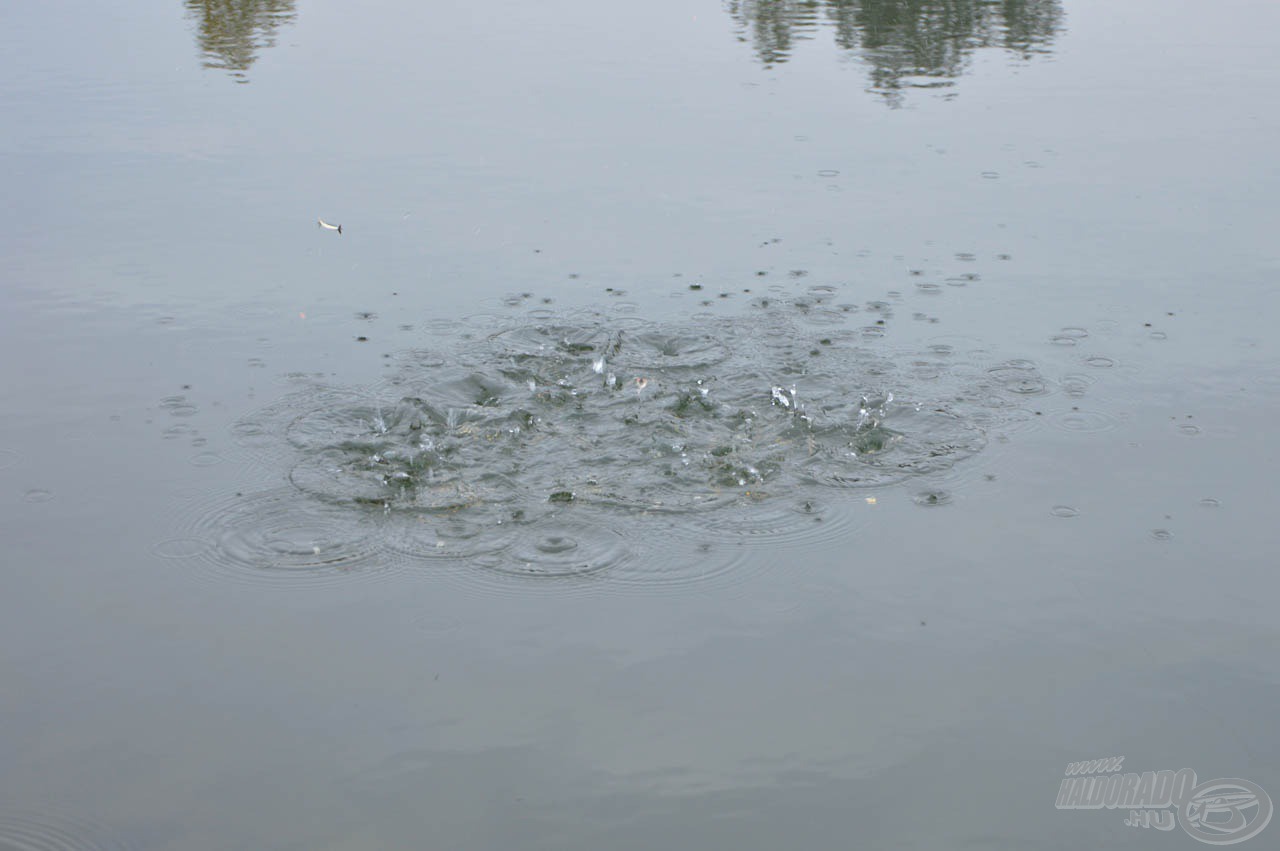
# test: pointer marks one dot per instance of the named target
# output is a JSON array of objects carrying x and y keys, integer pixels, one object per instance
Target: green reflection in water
[
  {"x": 231, "y": 32},
  {"x": 906, "y": 43}
]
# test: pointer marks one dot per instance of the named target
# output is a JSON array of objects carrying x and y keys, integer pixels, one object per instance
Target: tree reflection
[
  {"x": 231, "y": 32},
  {"x": 906, "y": 43}
]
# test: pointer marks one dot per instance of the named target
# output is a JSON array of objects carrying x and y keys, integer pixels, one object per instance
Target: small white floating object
[
  {"x": 322, "y": 223},
  {"x": 597, "y": 365},
  {"x": 641, "y": 383}
]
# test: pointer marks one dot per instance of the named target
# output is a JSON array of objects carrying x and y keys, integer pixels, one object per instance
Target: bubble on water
[
  {"x": 1189, "y": 430},
  {"x": 1064, "y": 511},
  {"x": 1161, "y": 534},
  {"x": 38, "y": 495},
  {"x": 1099, "y": 362},
  {"x": 1210, "y": 502}
]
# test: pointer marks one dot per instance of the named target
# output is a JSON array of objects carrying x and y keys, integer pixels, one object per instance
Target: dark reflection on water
[
  {"x": 906, "y": 43},
  {"x": 231, "y": 32}
]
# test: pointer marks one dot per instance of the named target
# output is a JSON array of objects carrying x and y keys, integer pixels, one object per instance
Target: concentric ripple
[
  {"x": 282, "y": 537},
  {"x": 571, "y": 444}
]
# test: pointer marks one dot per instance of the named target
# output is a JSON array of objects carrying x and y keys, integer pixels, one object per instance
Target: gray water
[{"x": 716, "y": 425}]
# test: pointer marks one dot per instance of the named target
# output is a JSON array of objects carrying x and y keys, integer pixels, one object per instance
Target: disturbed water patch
[
  {"x": 592, "y": 444},
  {"x": 44, "y": 831},
  {"x": 277, "y": 537}
]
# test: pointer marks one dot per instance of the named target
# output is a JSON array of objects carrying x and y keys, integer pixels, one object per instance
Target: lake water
[{"x": 716, "y": 425}]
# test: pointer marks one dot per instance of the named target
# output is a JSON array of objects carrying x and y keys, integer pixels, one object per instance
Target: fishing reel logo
[{"x": 1226, "y": 811}]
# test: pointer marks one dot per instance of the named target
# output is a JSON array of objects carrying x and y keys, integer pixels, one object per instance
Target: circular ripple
[
  {"x": 284, "y": 538},
  {"x": 37, "y": 831},
  {"x": 761, "y": 518},
  {"x": 588, "y": 447},
  {"x": 9, "y": 458},
  {"x": 1064, "y": 511},
  {"x": 1084, "y": 421},
  {"x": 178, "y": 406},
  {"x": 1020, "y": 377},
  {"x": 180, "y": 548},
  {"x": 38, "y": 495},
  {"x": 558, "y": 548},
  {"x": 1076, "y": 385}
]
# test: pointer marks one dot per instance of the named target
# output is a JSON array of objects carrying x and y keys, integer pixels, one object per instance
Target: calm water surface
[{"x": 717, "y": 425}]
